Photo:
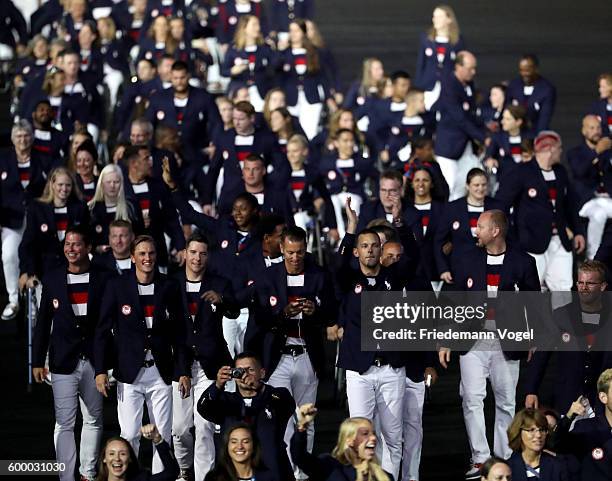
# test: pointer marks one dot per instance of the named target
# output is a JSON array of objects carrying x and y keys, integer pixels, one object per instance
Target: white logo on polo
[
  {"x": 126, "y": 309},
  {"x": 502, "y": 152},
  {"x": 251, "y": 282},
  {"x": 395, "y": 130},
  {"x": 532, "y": 192},
  {"x": 268, "y": 413},
  {"x": 225, "y": 154},
  {"x": 331, "y": 175},
  {"x": 273, "y": 301},
  {"x": 4, "y": 175},
  {"x": 213, "y": 308},
  {"x": 565, "y": 337},
  {"x": 388, "y": 285},
  {"x": 428, "y": 52},
  {"x": 232, "y": 20},
  {"x": 456, "y": 225},
  {"x": 470, "y": 282},
  {"x": 154, "y": 12},
  {"x": 138, "y": 99},
  {"x": 466, "y": 106},
  {"x": 98, "y": 228},
  {"x": 224, "y": 244},
  {"x": 360, "y": 100},
  {"x": 160, "y": 115},
  {"x": 44, "y": 227},
  {"x": 597, "y": 454},
  {"x": 55, "y": 303},
  {"x": 358, "y": 289}
]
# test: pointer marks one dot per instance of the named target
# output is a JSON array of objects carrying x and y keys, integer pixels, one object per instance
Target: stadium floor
[{"x": 572, "y": 40}]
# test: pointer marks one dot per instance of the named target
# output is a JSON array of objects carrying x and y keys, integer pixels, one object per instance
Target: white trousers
[
  {"x": 455, "y": 171},
  {"x": 149, "y": 388},
  {"x": 414, "y": 398},
  {"x": 113, "y": 80},
  {"x": 339, "y": 201},
  {"x": 432, "y": 96},
  {"x": 476, "y": 366},
  {"x": 234, "y": 330},
  {"x": 255, "y": 99},
  {"x": 555, "y": 266},
  {"x": 308, "y": 114},
  {"x": 298, "y": 376},
  {"x": 380, "y": 391},
  {"x": 184, "y": 417},
  {"x": 598, "y": 211},
  {"x": 70, "y": 390},
  {"x": 11, "y": 238}
]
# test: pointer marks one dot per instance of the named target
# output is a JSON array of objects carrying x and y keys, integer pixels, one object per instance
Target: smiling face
[
  {"x": 196, "y": 257},
  {"x": 477, "y": 188},
  {"x": 61, "y": 187},
  {"x": 144, "y": 257},
  {"x": 364, "y": 442},
  {"x": 22, "y": 140},
  {"x": 533, "y": 437},
  {"x": 421, "y": 183},
  {"x": 84, "y": 163},
  {"x": 117, "y": 458},
  {"x": 294, "y": 253},
  {"x": 240, "y": 446},
  {"x": 120, "y": 238},
  {"x": 497, "y": 98},
  {"x": 243, "y": 214},
  {"x": 76, "y": 250}
]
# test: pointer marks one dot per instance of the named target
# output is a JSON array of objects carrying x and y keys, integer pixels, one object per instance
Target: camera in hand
[{"x": 238, "y": 372}]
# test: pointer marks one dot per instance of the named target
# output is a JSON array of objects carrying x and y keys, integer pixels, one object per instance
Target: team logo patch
[
  {"x": 331, "y": 175},
  {"x": 597, "y": 454},
  {"x": 126, "y": 309},
  {"x": 160, "y": 115},
  {"x": 360, "y": 100},
  {"x": 138, "y": 99},
  {"x": 55, "y": 303},
  {"x": 148, "y": 55},
  {"x": 532, "y": 192},
  {"x": 515, "y": 102},
  {"x": 251, "y": 282},
  {"x": 470, "y": 282},
  {"x": 395, "y": 130},
  {"x": 456, "y": 225},
  {"x": 154, "y": 12},
  {"x": 26, "y": 69},
  {"x": 502, "y": 152},
  {"x": 466, "y": 106},
  {"x": 428, "y": 52},
  {"x": 358, "y": 289},
  {"x": 44, "y": 227},
  {"x": 99, "y": 229},
  {"x": 286, "y": 67},
  {"x": 273, "y": 301},
  {"x": 4, "y": 175},
  {"x": 224, "y": 244},
  {"x": 453, "y": 55},
  {"x": 232, "y": 20},
  {"x": 565, "y": 337},
  {"x": 225, "y": 154}
]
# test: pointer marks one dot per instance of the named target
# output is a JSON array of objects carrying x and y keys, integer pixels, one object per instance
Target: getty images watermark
[{"x": 519, "y": 321}]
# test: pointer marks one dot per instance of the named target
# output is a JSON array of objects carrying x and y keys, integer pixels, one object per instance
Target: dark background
[{"x": 573, "y": 42}]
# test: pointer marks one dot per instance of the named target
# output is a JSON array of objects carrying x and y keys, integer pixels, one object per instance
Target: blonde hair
[
  {"x": 240, "y": 35},
  {"x": 110, "y": 23},
  {"x": 267, "y": 113},
  {"x": 604, "y": 381},
  {"x": 453, "y": 28},
  {"x": 122, "y": 209},
  {"x": 366, "y": 76},
  {"x": 348, "y": 456},
  {"x": 170, "y": 42},
  {"x": 48, "y": 196}
]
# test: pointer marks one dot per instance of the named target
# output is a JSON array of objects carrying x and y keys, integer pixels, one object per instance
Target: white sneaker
[
  {"x": 10, "y": 312},
  {"x": 474, "y": 471}
]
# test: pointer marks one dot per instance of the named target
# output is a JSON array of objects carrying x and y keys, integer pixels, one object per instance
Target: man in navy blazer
[
  {"x": 545, "y": 212},
  {"x": 460, "y": 124},
  {"x": 191, "y": 111},
  {"x": 67, "y": 317},
  {"x": 534, "y": 92},
  {"x": 495, "y": 267},
  {"x": 139, "y": 316}
]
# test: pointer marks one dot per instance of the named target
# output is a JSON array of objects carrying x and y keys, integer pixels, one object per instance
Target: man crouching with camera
[{"x": 267, "y": 409}]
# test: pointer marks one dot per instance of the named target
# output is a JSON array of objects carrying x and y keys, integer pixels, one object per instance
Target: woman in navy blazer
[
  {"x": 240, "y": 458},
  {"x": 47, "y": 218},
  {"x": 527, "y": 438}
]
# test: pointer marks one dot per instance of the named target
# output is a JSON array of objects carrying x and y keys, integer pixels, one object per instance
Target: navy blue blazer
[
  {"x": 534, "y": 214},
  {"x": 540, "y": 104},
  {"x": 14, "y": 199},
  {"x": 40, "y": 248},
  {"x": 314, "y": 84},
  {"x": 603, "y": 110},
  {"x": 373, "y": 209},
  {"x": 259, "y": 63},
  {"x": 426, "y": 242},
  {"x": 200, "y": 119},
  {"x": 201, "y": 339},
  {"x": 69, "y": 340},
  {"x": 429, "y": 69},
  {"x": 455, "y": 227},
  {"x": 272, "y": 298},
  {"x": 591, "y": 172},
  {"x": 459, "y": 121},
  {"x": 283, "y": 12},
  {"x": 229, "y": 16},
  {"x": 501, "y": 150},
  {"x": 49, "y": 146},
  {"x": 122, "y": 325},
  {"x": 551, "y": 468}
]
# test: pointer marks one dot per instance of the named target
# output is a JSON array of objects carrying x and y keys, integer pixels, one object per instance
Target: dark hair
[
  {"x": 343, "y": 131},
  {"x": 392, "y": 175},
  {"x": 248, "y": 355},
  {"x": 398, "y": 74},
  {"x": 245, "y": 107},
  {"x": 78, "y": 229},
  {"x": 294, "y": 233},
  {"x": 139, "y": 240},
  {"x": 249, "y": 199},
  {"x": 254, "y": 158},
  {"x": 224, "y": 469},
  {"x": 312, "y": 55},
  {"x": 489, "y": 463},
  {"x": 151, "y": 62},
  {"x": 131, "y": 152},
  {"x": 68, "y": 51},
  {"x": 133, "y": 466},
  {"x": 180, "y": 65},
  {"x": 420, "y": 142},
  {"x": 389, "y": 232},
  {"x": 475, "y": 172},
  {"x": 268, "y": 224},
  {"x": 88, "y": 146},
  {"x": 366, "y": 232},
  {"x": 435, "y": 192},
  {"x": 197, "y": 236},
  {"x": 40, "y": 102},
  {"x": 531, "y": 56}
]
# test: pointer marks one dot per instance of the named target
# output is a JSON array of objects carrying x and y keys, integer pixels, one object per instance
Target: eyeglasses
[
  {"x": 533, "y": 431},
  {"x": 588, "y": 284}
]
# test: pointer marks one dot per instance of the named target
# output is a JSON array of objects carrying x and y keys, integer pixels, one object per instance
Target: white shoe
[
  {"x": 474, "y": 471},
  {"x": 10, "y": 312}
]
